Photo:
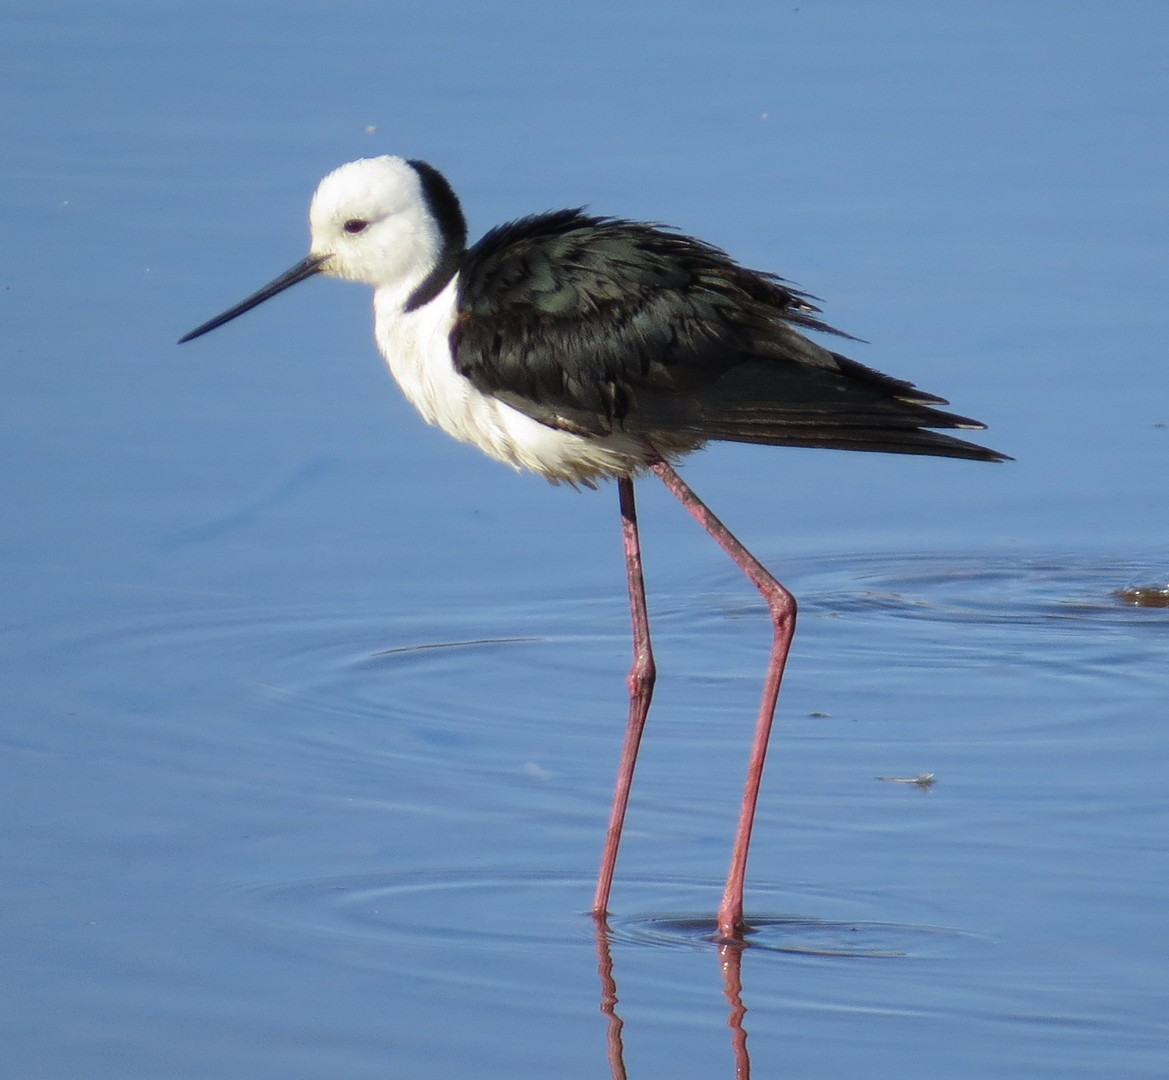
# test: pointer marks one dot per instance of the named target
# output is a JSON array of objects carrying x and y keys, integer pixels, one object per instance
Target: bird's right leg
[
  {"x": 782, "y": 606},
  {"x": 641, "y": 687}
]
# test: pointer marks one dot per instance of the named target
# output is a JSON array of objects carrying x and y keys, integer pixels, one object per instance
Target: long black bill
[{"x": 303, "y": 269}]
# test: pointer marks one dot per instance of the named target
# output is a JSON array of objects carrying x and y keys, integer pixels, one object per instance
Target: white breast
[{"x": 416, "y": 346}]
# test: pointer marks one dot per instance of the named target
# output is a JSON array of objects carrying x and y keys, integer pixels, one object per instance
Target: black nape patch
[{"x": 444, "y": 206}]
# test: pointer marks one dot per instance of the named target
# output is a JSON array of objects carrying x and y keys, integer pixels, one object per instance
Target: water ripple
[
  {"x": 1030, "y": 591},
  {"x": 480, "y": 909}
]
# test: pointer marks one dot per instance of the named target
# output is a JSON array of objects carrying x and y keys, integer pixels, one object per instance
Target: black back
[{"x": 594, "y": 324}]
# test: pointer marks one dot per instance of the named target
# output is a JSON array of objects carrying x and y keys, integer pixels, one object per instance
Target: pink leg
[
  {"x": 783, "y": 617},
  {"x": 641, "y": 687}
]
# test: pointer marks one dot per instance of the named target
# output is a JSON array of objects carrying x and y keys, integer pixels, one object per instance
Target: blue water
[{"x": 310, "y": 716}]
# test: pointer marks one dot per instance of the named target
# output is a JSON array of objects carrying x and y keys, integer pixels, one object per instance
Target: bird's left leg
[
  {"x": 642, "y": 676},
  {"x": 783, "y": 618}
]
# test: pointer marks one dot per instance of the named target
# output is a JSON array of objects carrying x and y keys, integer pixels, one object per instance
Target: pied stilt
[{"x": 585, "y": 348}]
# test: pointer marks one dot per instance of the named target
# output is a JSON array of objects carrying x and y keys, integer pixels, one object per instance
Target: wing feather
[{"x": 594, "y": 324}]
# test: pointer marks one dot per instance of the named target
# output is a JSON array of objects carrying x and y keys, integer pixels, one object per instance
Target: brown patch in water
[{"x": 1156, "y": 596}]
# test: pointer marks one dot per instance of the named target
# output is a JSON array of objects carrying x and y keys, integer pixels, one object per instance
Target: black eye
[{"x": 355, "y": 225}]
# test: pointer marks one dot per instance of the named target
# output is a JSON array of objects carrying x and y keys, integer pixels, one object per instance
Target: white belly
[{"x": 416, "y": 346}]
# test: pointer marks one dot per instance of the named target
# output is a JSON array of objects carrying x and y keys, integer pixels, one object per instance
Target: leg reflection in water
[{"x": 730, "y": 956}]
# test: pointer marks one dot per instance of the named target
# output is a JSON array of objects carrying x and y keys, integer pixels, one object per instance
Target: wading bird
[{"x": 587, "y": 348}]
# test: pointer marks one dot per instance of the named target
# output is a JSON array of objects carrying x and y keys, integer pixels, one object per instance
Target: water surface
[{"x": 310, "y": 715}]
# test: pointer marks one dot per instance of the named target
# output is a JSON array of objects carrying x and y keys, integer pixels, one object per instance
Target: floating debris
[
  {"x": 1144, "y": 596},
  {"x": 924, "y": 780}
]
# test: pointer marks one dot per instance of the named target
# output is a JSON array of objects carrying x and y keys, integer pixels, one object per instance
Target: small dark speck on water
[
  {"x": 818, "y": 716},
  {"x": 1154, "y": 596}
]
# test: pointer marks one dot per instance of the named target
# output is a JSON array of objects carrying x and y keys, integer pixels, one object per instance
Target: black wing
[{"x": 595, "y": 324}]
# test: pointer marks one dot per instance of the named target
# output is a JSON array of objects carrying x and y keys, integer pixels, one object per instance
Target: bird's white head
[{"x": 386, "y": 222}]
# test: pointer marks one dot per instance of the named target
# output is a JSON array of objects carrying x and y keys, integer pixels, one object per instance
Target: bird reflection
[
  {"x": 730, "y": 955},
  {"x": 609, "y": 1002}
]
